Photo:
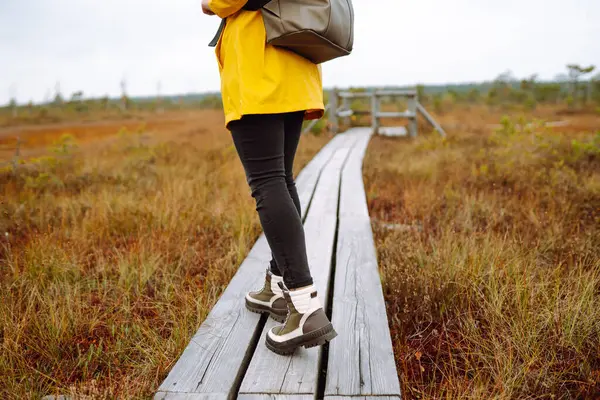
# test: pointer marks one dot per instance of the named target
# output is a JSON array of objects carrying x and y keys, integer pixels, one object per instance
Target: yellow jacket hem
[{"x": 272, "y": 109}]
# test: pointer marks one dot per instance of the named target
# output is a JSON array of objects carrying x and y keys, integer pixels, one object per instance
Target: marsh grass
[
  {"x": 113, "y": 249},
  {"x": 111, "y": 258},
  {"x": 496, "y": 292}
]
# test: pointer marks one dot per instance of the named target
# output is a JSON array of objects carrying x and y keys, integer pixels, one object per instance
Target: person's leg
[
  {"x": 293, "y": 131},
  {"x": 260, "y": 143}
]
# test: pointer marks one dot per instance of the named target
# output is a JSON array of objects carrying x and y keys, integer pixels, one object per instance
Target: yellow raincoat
[{"x": 257, "y": 78}]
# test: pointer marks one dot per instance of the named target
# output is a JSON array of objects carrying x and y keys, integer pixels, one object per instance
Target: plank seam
[
  {"x": 237, "y": 383},
  {"x": 324, "y": 353},
  {"x": 355, "y": 228}
]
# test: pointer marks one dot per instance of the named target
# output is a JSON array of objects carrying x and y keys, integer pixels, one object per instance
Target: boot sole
[
  {"x": 260, "y": 309},
  {"x": 311, "y": 339}
]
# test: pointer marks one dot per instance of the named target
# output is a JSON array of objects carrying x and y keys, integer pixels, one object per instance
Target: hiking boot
[
  {"x": 306, "y": 324},
  {"x": 268, "y": 300}
]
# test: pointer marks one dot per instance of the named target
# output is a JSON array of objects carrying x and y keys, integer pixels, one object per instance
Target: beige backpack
[{"x": 319, "y": 30}]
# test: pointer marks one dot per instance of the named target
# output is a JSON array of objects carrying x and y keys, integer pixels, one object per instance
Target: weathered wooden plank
[
  {"x": 217, "y": 354},
  {"x": 361, "y": 360},
  {"x": 393, "y": 131},
  {"x": 211, "y": 361},
  {"x": 354, "y": 202},
  {"x": 275, "y": 397},
  {"x": 308, "y": 177},
  {"x": 353, "y": 95},
  {"x": 268, "y": 372},
  {"x": 189, "y": 396},
  {"x": 379, "y": 93},
  {"x": 401, "y": 93},
  {"x": 396, "y": 114},
  {"x": 345, "y": 113}
]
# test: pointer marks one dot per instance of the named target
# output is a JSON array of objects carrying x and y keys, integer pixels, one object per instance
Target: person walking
[{"x": 267, "y": 93}]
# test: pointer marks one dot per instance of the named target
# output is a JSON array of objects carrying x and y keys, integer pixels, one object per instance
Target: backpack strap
[
  {"x": 251, "y": 5},
  {"x": 255, "y": 5},
  {"x": 215, "y": 40}
]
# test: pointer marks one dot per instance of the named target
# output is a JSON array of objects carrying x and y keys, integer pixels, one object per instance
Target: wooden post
[
  {"x": 375, "y": 112},
  {"x": 346, "y": 106},
  {"x": 412, "y": 108},
  {"x": 333, "y": 109},
  {"x": 430, "y": 119}
]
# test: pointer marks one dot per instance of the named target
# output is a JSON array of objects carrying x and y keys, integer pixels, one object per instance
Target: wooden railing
[{"x": 340, "y": 108}]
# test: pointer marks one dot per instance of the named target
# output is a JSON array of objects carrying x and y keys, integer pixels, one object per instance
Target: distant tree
[
  {"x": 548, "y": 92},
  {"x": 528, "y": 84},
  {"x": 506, "y": 78},
  {"x": 58, "y": 100},
  {"x": 125, "y": 102},
  {"x": 77, "y": 103},
  {"x": 77, "y": 96},
  {"x": 104, "y": 102},
  {"x": 13, "y": 107},
  {"x": 576, "y": 72},
  {"x": 595, "y": 89},
  {"x": 58, "y": 97}
]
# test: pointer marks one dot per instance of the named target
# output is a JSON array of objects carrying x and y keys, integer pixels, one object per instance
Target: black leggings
[{"x": 266, "y": 144}]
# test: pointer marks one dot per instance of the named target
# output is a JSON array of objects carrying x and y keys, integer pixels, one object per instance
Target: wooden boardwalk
[{"x": 227, "y": 357}]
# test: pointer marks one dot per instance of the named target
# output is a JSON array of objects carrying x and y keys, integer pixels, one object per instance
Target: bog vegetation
[
  {"x": 118, "y": 236},
  {"x": 489, "y": 251}
]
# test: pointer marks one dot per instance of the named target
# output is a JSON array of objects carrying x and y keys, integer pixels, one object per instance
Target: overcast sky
[{"x": 90, "y": 45}]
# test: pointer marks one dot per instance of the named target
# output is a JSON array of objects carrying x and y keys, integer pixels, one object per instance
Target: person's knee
[{"x": 268, "y": 187}]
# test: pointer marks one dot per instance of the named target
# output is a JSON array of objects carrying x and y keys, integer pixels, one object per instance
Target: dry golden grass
[
  {"x": 36, "y": 138},
  {"x": 489, "y": 250},
  {"x": 112, "y": 253},
  {"x": 117, "y": 248}
]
